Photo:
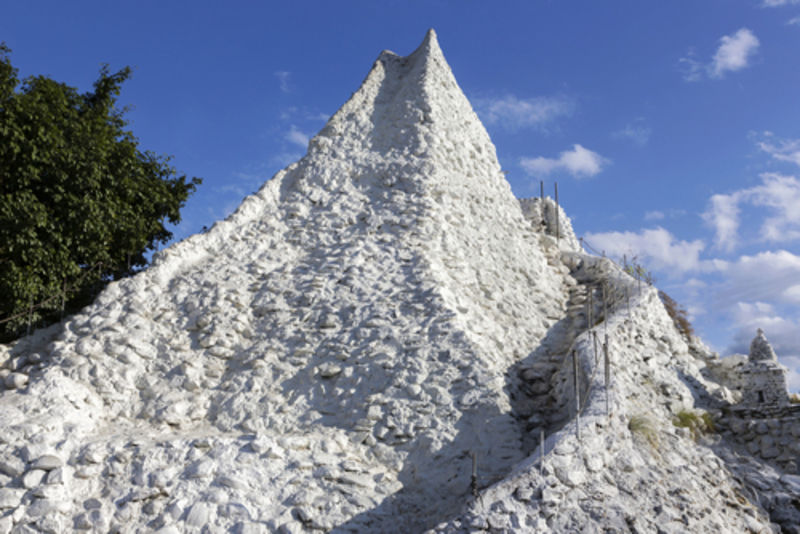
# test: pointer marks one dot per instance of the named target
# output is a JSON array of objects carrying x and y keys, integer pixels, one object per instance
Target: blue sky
[{"x": 672, "y": 128}]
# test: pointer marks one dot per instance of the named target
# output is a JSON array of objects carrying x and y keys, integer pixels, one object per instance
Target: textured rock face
[
  {"x": 628, "y": 463},
  {"x": 770, "y": 433},
  {"x": 760, "y": 349},
  {"x": 334, "y": 354},
  {"x": 545, "y": 216}
]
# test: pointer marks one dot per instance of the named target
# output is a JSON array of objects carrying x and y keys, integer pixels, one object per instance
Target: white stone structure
[
  {"x": 764, "y": 379},
  {"x": 334, "y": 355}
]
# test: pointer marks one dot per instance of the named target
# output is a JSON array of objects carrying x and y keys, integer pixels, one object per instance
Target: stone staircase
[{"x": 538, "y": 394}]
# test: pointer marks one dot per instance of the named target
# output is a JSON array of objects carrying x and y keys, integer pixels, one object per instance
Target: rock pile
[
  {"x": 331, "y": 354},
  {"x": 336, "y": 354},
  {"x": 760, "y": 349}
]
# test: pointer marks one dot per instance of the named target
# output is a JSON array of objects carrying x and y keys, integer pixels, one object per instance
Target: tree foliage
[{"x": 80, "y": 203}]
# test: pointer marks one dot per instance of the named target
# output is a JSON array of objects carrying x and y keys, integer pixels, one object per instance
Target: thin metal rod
[
  {"x": 558, "y": 233},
  {"x": 607, "y": 372},
  {"x": 576, "y": 382},
  {"x": 605, "y": 310}
]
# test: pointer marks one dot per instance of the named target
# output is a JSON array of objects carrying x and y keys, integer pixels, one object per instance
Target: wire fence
[
  {"x": 587, "y": 247},
  {"x": 584, "y": 396}
]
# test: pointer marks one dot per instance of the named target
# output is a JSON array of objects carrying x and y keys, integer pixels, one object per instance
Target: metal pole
[
  {"x": 558, "y": 236},
  {"x": 608, "y": 372},
  {"x": 605, "y": 310},
  {"x": 576, "y": 383},
  {"x": 541, "y": 189}
]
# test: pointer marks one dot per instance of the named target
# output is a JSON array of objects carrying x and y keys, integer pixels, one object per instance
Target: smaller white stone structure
[{"x": 764, "y": 379}]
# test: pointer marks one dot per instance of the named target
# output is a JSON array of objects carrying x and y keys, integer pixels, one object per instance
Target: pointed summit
[
  {"x": 760, "y": 348},
  {"x": 429, "y": 48},
  {"x": 431, "y": 41},
  {"x": 372, "y": 337},
  {"x": 408, "y": 150},
  {"x": 404, "y": 105},
  {"x": 354, "y": 322}
]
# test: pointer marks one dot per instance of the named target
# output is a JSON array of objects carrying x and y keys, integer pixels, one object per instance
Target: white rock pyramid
[{"x": 341, "y": 351}]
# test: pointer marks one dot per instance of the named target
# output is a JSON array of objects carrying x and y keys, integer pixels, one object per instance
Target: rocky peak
[
  {"x": 760, "y": 349},
  {"x": 365, "y": 343}
]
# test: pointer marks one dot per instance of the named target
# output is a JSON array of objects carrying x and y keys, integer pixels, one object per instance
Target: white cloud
[
  {"x": 734, "y": 53},
  {"x": 793, "y": 376},
  {"x": 579, "y": 162},
  {"x": 297, "y": 137},
  {"x": 319, "y": 117},
  {"x": 779, "y": 194},
  {"x": 693, "y": 284},
  {"x": 794, "y": 21},
  {"x": 654, "y": 215},
  {"x": 637, "y": 132},
  {"x": 792, "y": 294},
  {"x": 723, "y": 215},
  {"x": 515, "y": 113},
  {"x": 779, "y": 3},
  {"x": 769, "y": 276},
  {"x": 283, "y": 79},
  {"x": 691, "y": 67},
  {"x": 780, "y": 149},
  {"x": 655, "y": 248},
  {"x": 658, "y": 215}
]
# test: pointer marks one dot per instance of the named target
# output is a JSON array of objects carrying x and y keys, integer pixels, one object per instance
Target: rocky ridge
[{"x": 334, "y": 355}]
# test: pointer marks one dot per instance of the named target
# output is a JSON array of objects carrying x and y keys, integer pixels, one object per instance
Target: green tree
[{"x": 80, "y": 203}]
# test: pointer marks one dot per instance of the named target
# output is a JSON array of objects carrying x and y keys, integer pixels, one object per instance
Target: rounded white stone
[{"x": 16, "y": 380}]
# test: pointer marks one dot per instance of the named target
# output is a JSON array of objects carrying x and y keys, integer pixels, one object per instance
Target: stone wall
[
  {"x": 765, "y": 384},
  {"x": 769, "y": 433}
]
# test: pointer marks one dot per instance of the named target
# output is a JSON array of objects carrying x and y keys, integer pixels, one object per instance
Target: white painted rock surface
[{"x": 332, "y": 355}]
